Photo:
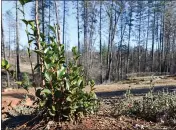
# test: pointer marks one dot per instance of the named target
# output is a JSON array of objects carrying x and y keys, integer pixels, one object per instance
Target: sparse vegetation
[{"x": 160, "y": 107}]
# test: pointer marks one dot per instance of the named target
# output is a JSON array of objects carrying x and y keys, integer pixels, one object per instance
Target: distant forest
[{"x": 115, "y": 38}]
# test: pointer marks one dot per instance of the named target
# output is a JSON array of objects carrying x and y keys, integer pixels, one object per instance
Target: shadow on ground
[
  {"x": 15, "y": 121},
  {"x": 18, "y": 95},
  {"x": 139, "y": 91}
]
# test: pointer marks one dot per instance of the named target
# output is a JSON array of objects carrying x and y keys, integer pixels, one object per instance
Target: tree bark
[
  {"x": 63, "y": 36},
  {"x": 57, "y": 25},
  {"x": 39, "y": 61},
  {"x": 49, "y": 21},
  {"x": 79, "y": 51},
  {"x": 3, "y": 49},
  {"x": 17, "y": 44},
  {"x": 101, "y": 65},
  {"x": 153, "y": 41},
  {"x": 146, "y": 45},
  {"x": 129, "y": 36},
  {"x": 43, "y": 19}
]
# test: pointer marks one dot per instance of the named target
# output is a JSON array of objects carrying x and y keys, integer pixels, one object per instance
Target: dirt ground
[{"x": 114, "y": 89}]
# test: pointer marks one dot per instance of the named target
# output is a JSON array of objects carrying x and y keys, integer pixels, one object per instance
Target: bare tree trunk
[
  {"x": 3, "y": 49},
  {"x": 85, "y": 38},
  {"x": 49, "y": 21},
  {"x": 57, "y": 23},
  {"x": 39, "y": 61},
  {"x": 43, "y": 19},
  {"x": 172, "y": 55},
  {"x": 9, "y": 42},
  {"x": 101, "y": 73},
  {"x": 122, "y": 30},
  {"x": 146, "y": 45},
  {"x": 17, "y": 44},
  {"x": 160, "y": 58},
  {"x": 78, "y": 27},
  {"x": 139, "y": 43},
  {"x": 109, "y": 44},
  {"x": 163, "y": 40},
  {"x": 2, "y": 39},
  {"x": 153, "y": 42},
  {"x": 158, "y": 44},
  {"x": 129, "y": 36},
  {"x": 63, "y": 36}
]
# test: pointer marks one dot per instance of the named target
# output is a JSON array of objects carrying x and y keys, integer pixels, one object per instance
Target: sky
[{"x": 71, "y": 28}]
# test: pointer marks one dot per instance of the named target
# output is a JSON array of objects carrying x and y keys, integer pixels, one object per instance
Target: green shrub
[
  {"x": 160, "y": 107},
  {"x": 62, "y": 95}
]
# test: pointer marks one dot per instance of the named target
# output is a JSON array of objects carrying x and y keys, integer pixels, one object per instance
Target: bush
[
  {"x": 160, "y": 107},
  {"x": 63, "y": 96}
]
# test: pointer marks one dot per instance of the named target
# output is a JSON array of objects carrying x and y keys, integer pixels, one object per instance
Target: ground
[{"x": 107, "y": 93}]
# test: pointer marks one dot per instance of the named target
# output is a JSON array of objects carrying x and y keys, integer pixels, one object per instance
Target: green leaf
[
  {"x": 52, "y": 39},
  {"x": 74, "y": 50},
  {"x": 52, "y": 113},
  {"x": 46, "y": 91},
  {"x": 23, "y": 2},
  {"x": 80, "y": 82},
  {"x": 53, "y": 108},
  {"x": 4, "y": 63},
  {"x": 67, "y": 85},
  {"x": 32, "y": 23},
  {"x": 8, "y": 66},
  {"x": 43, "y": 44},
  {"x": 30, "y": 41},
  {"x": 36, "y": 44},
  {"x": 61, "y": 72},
  {"x": 76, "y": 57},
  {"x": 18, "y": 82},
  {"x": 46, "y": 50},
  {"x": 91, "y": 83},
  {"x": 52, "y": 28},
  {"x": 39, "y": 52},
  {"x": 42, "y": 35},
  {"x": 42, "y": 103},
  {"x": 25, "y": 21},
  {"x": 68, "y": 99},
  {"x": 47, "y": 76}
]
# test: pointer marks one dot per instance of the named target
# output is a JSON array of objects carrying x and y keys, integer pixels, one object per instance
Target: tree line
[{"x": 114, "y": 37}]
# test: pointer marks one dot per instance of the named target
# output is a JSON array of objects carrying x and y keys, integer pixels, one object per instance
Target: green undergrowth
[{"x": 157, "y": 107}]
